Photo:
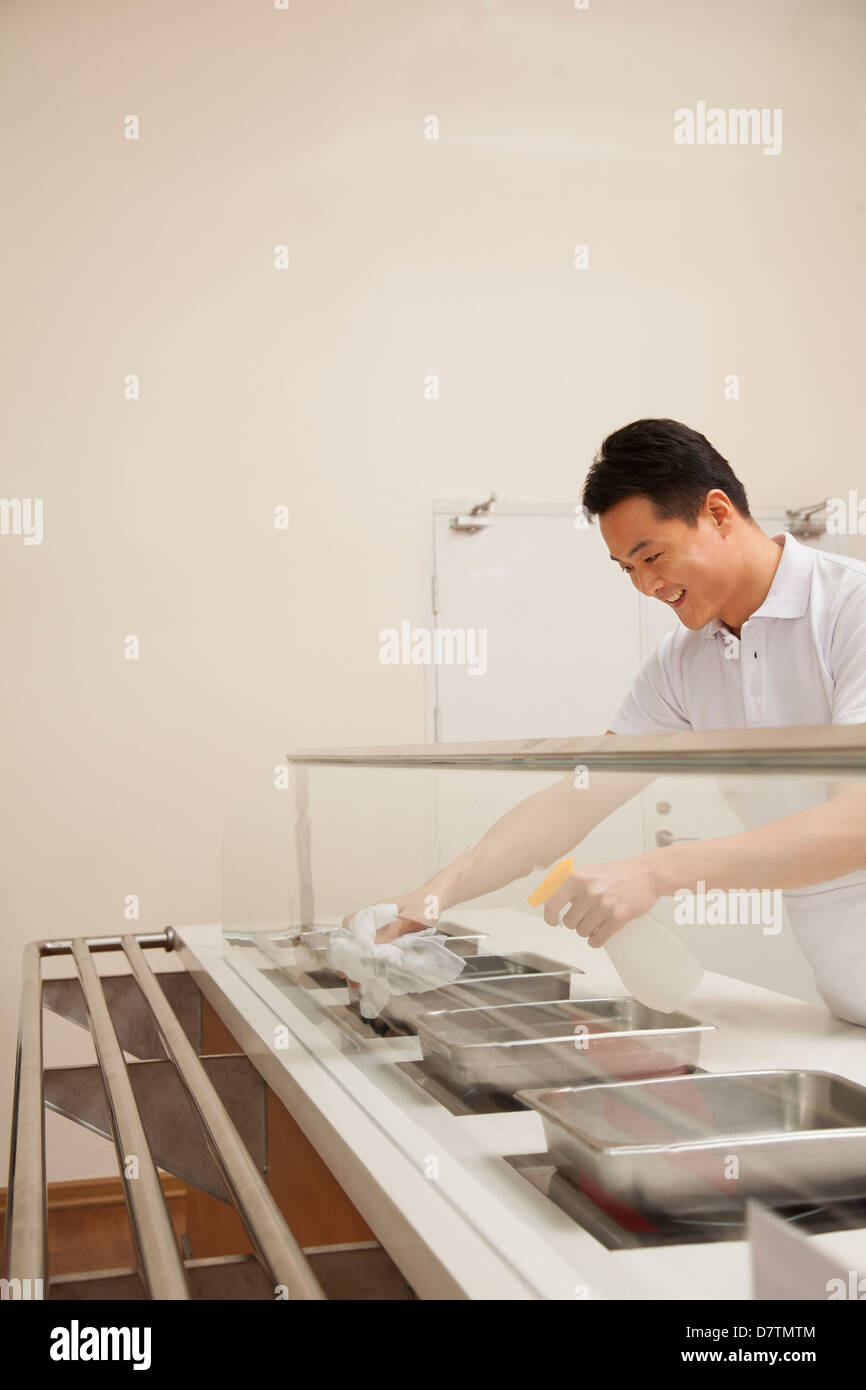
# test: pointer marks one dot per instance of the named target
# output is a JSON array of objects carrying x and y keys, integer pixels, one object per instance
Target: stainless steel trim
[
  {"x": 812, "y": 748},
  {"x": 152, "y": 1230},
  {"x": 147, "y": 940},
  {"x": 265, "y": 1224}
]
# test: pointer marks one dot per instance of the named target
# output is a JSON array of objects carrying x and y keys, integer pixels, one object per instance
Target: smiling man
[
  {"x": 687, "y": 538},
  {"x": 676, "y": 519},
  {"x": 771, "y": 634}
]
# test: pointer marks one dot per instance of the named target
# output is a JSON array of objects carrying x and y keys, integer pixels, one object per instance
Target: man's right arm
[{"x": 530, "y": 836}]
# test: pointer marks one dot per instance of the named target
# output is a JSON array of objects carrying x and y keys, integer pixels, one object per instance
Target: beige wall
[{"x": 260, "y": 387}]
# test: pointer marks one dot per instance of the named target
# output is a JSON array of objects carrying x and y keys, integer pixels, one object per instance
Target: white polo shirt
[{"x": 800, "y": 659}]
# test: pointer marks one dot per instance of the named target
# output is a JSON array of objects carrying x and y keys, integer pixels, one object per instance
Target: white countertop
[{"x": 456, "y": 1218}]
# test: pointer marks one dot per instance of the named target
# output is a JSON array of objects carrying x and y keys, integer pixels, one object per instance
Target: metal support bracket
[
  {"x": 167, "y": 1109},
  {"x": 170, "y": 1123},
  {"x": 133, "y": 1020}
]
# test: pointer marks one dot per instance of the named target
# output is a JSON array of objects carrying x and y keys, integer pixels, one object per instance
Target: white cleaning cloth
[{"x": 410, "y": 963}]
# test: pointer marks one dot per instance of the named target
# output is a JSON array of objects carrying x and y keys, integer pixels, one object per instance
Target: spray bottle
[{"x": 655, "y": 966}]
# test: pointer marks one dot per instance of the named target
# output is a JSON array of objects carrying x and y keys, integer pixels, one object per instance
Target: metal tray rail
[{"x": 163, "y": 1272}]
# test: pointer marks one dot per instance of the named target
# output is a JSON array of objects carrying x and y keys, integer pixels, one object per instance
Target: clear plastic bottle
[{"x": 655, "y": 966}]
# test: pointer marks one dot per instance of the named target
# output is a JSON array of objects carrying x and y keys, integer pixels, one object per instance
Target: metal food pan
[
  {"x": 316, "y": 938},
  {"x": 695, "y": 1145},
  {"x": 522, "y": 978},
  {"x": 303, "y": 955},
  {"x": 464, "y": 943},
  {"x": 559, "y": 1042}
]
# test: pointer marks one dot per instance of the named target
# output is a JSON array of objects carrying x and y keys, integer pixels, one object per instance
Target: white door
[
  {"x": 561, "y": 621},
  {"x": 563, "y": 640}
]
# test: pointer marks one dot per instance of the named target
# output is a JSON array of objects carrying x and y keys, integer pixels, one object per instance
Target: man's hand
[
  {"x": 389, "y": 932},
  {"x": 604, "y": 897},
  {"x": 399, "y": 927},
  {"x": 392, "y": 930}
]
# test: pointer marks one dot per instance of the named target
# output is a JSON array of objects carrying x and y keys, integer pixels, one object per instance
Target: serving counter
[
  {"x": 447, "y": 1194},
  {"x": 538, "y": 1131}
]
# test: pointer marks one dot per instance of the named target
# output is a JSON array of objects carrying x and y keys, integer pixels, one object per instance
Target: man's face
[{"x": 687, "y": 567}]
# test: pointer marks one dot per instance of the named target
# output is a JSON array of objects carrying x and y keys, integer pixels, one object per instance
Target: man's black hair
[{"x": 673, "y": 466}]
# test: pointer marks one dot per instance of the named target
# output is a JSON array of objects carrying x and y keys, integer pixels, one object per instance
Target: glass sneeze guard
[{"x": 497, "y": 1089}]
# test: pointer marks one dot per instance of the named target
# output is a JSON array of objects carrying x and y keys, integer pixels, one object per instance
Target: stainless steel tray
[
  {"x": 522, "y": 978},
  {"x": 302, "y": 955},
  {"x": 316, "y": 938},
  {"x": 707, "y": 1143},
  {"x": 557, "y": 1043},
  {"x": 464, "y": 943}
]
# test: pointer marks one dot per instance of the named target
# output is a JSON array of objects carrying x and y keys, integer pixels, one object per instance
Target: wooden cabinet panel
[{"x": 307, "y": 1193}]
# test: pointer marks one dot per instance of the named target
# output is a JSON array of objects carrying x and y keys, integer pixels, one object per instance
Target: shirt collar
[{"x": 788, "y": 595}]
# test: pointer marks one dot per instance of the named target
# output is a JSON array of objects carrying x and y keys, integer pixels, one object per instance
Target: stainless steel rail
[
  {"x": 96, "y": 944},
  {"x": 811, "y": 749},
  {"x": 26, "y": 1242},
  {"x": 162, "y": 1269},
  {"x": 266, "y": 1227},
  {"x": 152, "y": 1231}
]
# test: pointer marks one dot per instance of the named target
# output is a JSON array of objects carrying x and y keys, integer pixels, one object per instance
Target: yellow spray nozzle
[{"x": 548, "y": 886}]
